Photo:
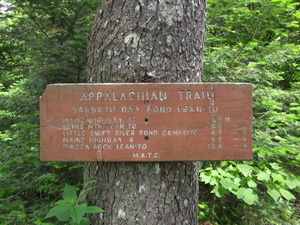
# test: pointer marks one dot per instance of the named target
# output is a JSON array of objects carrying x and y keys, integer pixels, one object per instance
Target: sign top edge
[{"x": 91, "y": 84}]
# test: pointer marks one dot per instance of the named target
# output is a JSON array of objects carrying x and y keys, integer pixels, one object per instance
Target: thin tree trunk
[{"x": 146, "y": 41}]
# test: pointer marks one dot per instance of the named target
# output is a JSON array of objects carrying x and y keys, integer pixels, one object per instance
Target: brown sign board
[{"x": 146, "y": 122}]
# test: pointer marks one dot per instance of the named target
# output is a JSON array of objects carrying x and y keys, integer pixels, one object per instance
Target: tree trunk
[{"x": 146, "y": 41}]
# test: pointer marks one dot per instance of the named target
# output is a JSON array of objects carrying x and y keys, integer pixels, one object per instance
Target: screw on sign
[{"x": 146, "y": 122}]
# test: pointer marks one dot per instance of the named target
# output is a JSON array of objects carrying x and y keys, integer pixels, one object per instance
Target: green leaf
[
  {"x": 240, "y": 193},
  {"x": 214, "y": 181},
  {"x": 275, "y": 166},
  {"x": 93, "y": 209},
  {"x": 60, "y": 211},
  {"x": 245, "y": 169},
  {"x": 292, "y": 182},
  {"x": 219, "y": 191},
  {"x": 247, "y": 195},
  {"x": 70, "y": 193},
  {"x": 214, "y": 173},
  {"x": 77, "y": 212},
  {"x": 85, "y": 221},
  {"x": 263, "y": 176},
  {"x": 273, "y": 192},
  {"x": 205, "y": 178},
  {"x": 64, "y": 202},
  {"x": 228, "y": 184},
  {"x": 277, "y": 177},
  {"x": 250, "y": 196},
  {"x": 222, "y": 172},
  {"x": 286, "y": 194},
  {"x": 251, "y": 183},
  {"x": 86, "y": 191},
  {"x": 237, "y": 180},
  {"x": 91, "y": 180}
]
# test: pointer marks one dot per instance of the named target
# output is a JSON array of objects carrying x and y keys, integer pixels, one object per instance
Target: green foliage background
[
  {"x": 257, "y": 42},
  {"x": 254, "y": 41},
  {"x": 42, "y": 42}
]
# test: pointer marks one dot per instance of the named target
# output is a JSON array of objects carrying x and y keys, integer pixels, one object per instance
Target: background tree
[
  {"x": 255, "y": 41},
  {"x": 41, "y": 42},
  {"x": 146, "y": 41}
]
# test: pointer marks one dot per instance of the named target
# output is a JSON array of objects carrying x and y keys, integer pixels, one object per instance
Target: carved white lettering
[
  {"x": 109, "y": 126},
  {"x": 147, "y": 155},
  {"x": 104, "y": 120},
  {"x": 73, "y": 119},
  {"x": 99, "y": 132},
  {"x": 73, "y": 126},
  {"x": 213, "y": 108},
  {"x": 190, "y": 108},
  {"x": 76, "y": 146},
  {"x": 179, "y": 132},
  {"x": 73, "y": 133},
  {"x": 148, "y": 132},
  {"x": 102, "y": 146},
  {"x": 94, "y": 109},
  {"x": 188, "y": 94},
  {"x": 131, "y": 146},
  {"x": 105, "y": 139},
  {"x": 159, "y": 109},
  {"x": 129, "y": 109},
  {"x": 124, "y": 132},
  {"x": 75, "y": 139},
  {"x": 227, "y": 119},
  {"x": 83, "y": 97},
  {"x": 131, "y": 95}
]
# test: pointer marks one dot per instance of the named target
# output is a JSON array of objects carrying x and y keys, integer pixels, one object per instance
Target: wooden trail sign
[{"x": 146, "y": 122}]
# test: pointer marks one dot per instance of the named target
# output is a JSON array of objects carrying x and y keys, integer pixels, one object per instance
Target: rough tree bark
[{"x": 146, "y": 41}]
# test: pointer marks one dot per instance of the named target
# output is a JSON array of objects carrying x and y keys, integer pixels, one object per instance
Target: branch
[
  {"x": 32, "y": 18},
  {"x": 5, "y": 199},
  {"x": 18, "y": 65},
  {"x": 242, "y": 49}
]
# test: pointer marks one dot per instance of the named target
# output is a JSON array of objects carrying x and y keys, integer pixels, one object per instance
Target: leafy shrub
[
  {"x": 70, "y": 209},
  {"x": 254, "y": 42}
]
